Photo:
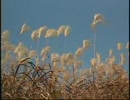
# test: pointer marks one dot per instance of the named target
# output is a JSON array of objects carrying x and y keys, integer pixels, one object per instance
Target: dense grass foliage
[{"x": 47, "y": 82}]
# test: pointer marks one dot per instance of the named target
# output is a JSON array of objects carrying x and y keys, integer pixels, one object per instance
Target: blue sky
[{"x": 76, "y": 13}]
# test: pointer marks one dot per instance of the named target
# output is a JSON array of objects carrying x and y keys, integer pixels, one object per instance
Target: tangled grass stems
[{"x": 46, "y": 85}]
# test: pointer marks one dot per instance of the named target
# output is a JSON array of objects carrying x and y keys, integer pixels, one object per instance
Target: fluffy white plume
[
  {"x": 34, "y": 35},
  {"x": 32, "y": 53},
  {"x": 6, "y": 35},
  {"x": 99, "y": 57},
  {"x": 119, "y": 46},
  {"x": 127, "y": 45},
  {"x": 98, "y": 18},
  {"x": 67, "y": 31},
  {"x": 25, "y": 28},
  {"x": 45, "y": 50},
  {"x": 86, "y": 44},
  {"x": 110, "y": 52},
  {"x": 41, "y": 30},
  {"x": 51, "y": 33},
  {"x": 69, "y": 56},
  {"x": 55, "y": 57},
  {"x": 79, "y": 52},
  {"x": 123, "y": 58},
  {"x": 61, "y": 30},
  {"x": 93, "y": 62},
  {"x": 21, "y": 51}
]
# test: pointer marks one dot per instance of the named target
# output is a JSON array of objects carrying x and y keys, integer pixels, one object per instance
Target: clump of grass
[{"x": 44, "y": 82}]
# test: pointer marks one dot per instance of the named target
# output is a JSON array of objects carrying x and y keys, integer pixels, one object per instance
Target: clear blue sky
[{"x": 76, "y": 13}]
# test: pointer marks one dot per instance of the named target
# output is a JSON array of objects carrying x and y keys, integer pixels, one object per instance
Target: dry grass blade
[
  {"x": 8, "y": 95},
  {"x": 24, "y": 60},
  {"x": 43, "y": 96}
]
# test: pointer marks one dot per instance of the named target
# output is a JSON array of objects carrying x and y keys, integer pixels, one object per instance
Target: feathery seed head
[
  {"x": 79, "y": 52},
  {"x": 69, "y": 56},
  {"x": 99, "y": 57},
  {"x": 19, "y": 47},
  {"x": 78, "y": 63},
  {"x": 21, "y": 51},
  {"x": 45, "y": 50},
  {"x": 44, "y": 57},
  {"x": 41, "y": 30},
  {"x": 25, "y": 28},
  {"x": 51, "y": 33},
  {"x": 67, "y": 31},
  {"x": 119, "y": 46},
  {"x": 55, "y": 56},
  {"x": 112, "y": 60},
  {"x": 6, "y": 35},
  {"x": 61, "y": 30},
  {"x": 110, "y": 52},
  {"x": 86, "y": 44},
  {"x": 127, "y": 45},
  {"x": 32, "y": 53},
  {"x": 93, "y": 62},
  {"x": 98, "y": 18},
  {"x": 70, "y": 62},
  {"x": 63, "y": 59},
  {"x": 123, "y": 59},
  {"x": 101, "y": 69},
  {"x": 34, "y": 35}
]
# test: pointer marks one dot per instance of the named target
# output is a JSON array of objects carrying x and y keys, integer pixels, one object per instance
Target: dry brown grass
[{"x": 40, "y": 82}]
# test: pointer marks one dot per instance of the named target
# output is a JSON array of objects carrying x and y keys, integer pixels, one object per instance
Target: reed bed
[{"x": 44, "y": 82}]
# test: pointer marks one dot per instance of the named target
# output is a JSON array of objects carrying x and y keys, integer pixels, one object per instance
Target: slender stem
[
  {"x": 93, "y": 66},
  {"x": 56, "y": 45},
  {"x": 64, "y": 44},
  {"x": 74, "y": 72},
  {"x": 93, "y": 84},
  {"x": 37, "y": 43},
  {"x": 31, "y": 46},
  {"x": 83, "y": 72},
  {"x": 37, "y": 46},
  {"x": 46, "y": 42},
  {"x": 94, "y": 44}
]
